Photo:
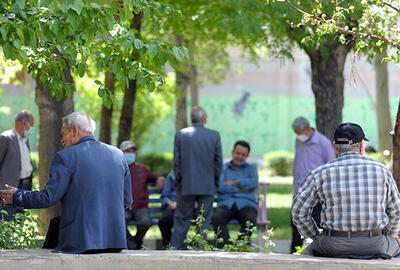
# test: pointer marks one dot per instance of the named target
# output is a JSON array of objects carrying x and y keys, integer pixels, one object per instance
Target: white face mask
[{"x": 303, "y": 137}]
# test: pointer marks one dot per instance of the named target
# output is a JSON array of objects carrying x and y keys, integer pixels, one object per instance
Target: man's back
[
  {"x": 357, "y": 194},
  {"x": 197, "y": 160},
  {"x": 92, "y": 182}
]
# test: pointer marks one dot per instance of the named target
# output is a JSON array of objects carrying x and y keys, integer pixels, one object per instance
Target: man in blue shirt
[
  {"x": 236, "y": 194},
  {"x": 168, "y": 202}
]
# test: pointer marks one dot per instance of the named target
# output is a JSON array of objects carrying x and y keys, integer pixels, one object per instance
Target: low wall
[{"x": 181, "y": 260}]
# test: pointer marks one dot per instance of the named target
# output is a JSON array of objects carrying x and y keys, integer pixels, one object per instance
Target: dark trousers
[
  {"x": 184, "y": 213},
  {"x": 297, "y": 241},
  {"x": 165, "y": 223},
  {"x": 223, "y": 214},
  {"x": 143, "y": 223}
]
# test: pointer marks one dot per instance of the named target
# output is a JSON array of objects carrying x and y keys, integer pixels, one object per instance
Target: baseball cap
[
  {"x": 349, "y": 133},
  {"x": 125, "y": 145}
]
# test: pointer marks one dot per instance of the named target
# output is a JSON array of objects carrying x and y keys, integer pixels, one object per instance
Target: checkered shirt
[{"x": 356, "y": 193}]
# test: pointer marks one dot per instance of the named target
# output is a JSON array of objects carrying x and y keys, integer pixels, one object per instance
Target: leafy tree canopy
[{"x": 48, "y": 35}]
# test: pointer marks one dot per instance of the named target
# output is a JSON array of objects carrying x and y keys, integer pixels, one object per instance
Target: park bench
[{"x": 262, "y": 220}]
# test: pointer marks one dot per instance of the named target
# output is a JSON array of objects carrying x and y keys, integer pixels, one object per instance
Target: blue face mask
[
  {"x": 130, "y": 157},
  {"x": 28, "y": 132}
]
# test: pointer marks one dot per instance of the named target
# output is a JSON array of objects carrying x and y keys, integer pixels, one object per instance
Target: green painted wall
[{"x": 266, "y": 121}]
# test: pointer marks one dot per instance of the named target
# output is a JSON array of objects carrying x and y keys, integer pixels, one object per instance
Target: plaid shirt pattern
[{"x": 356, "y": 193}]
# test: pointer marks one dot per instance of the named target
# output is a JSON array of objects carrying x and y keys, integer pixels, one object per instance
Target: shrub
[
  {"x": 21, "y": 232},
  {"x": 160, "y": 164},
  {"x": 280, "y": 162},
  {"x": 381, "y": 157}
]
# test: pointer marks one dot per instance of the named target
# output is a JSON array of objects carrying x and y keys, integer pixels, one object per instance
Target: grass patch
[{"x": 279, "y": 202}]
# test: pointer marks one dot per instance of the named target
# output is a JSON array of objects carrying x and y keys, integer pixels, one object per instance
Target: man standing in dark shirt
[{"x": 140, "y": 176}]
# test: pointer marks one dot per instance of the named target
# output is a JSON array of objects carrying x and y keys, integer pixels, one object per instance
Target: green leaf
[
  {"x": 138, "y": 43},
  {"x": 21, "y": 35},
  {"x": 17, "y": 44},
  {"x": 4, "y": 32},
  {"x": 98, "y": 82},
  {"x": 54, "y": 27},
  {"x": 100, "y": 92},
  {"x": 77, "y": 6},
  {"x": 81, "y": 69},
  {"x": 178, "y": 53},
  {"x": 152, "y": 50},
  {"x": 72, "y": 18},
  {"x": 20, "y": 4},
  {"x": 9, "y": 51},
  {"x": 107, "y": 100},
  {"x": 131, "y": 74}
]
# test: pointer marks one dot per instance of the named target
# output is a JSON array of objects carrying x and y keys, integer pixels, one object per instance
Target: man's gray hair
[
  {"x": 197, "y": 114},
  {"x": 300, "y": 122},
  {"x": 22, "y": 115},
  {"x": 343, "y": 148},
  {"x": 81, "y": 120}
]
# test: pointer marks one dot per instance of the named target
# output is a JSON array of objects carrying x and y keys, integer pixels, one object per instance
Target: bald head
[{"x": 198, "y": 115}]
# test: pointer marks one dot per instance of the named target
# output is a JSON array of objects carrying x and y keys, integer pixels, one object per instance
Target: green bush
[
  {"x": 280, "y": 162},
  {"x": 21, "y": 232},
  {"x": 385, "y": 159},
  {"x": 160, "y": 164}
]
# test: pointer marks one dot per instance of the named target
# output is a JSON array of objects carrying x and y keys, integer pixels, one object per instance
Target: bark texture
[
  {"x": 127, "y": 117},
  {"x": 182, "y": 87},
  {"x": 51, "y": 112},
  {"x": 382, "y": 105},
  {"x": 328, "y": 85},
  {"x": 194, "y": 87},
  {"x": 106, "y": 114}
]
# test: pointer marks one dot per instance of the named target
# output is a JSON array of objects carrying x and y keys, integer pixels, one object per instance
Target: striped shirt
[{"x": 356, "y": 193}]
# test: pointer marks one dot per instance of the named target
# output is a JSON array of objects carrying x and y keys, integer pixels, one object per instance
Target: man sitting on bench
[
  {"x": 236, "y": 194},
  {"x": 139, "y": 210}
]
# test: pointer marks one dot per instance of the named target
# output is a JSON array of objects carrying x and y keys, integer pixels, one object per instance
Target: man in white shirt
[{"x": 15, "y": 162}]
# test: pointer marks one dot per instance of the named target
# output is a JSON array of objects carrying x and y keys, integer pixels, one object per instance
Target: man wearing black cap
[{"x": 360, "y": 213}]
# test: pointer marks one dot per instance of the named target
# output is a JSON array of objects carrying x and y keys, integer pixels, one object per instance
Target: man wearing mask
[
  {"x": 139, "y": 211},
  {"x": 15, "y": 162},
  {"x": 312, "y": 150}
]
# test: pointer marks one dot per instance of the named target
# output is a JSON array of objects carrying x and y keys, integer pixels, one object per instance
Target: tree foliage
[
  {"x": 45, "y": 35},
  {"x": 376, "y": 30}
]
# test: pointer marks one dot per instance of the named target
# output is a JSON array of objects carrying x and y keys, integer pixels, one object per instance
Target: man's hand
[
  {"x": 396, "y": 236},
  {"x": 171, "y": 205},
  {"x": 232, "y": 183},
  {"x": 6, "y": 195}
]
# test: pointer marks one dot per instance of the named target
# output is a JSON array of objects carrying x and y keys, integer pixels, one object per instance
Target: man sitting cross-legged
[{"x": 236, "y": 194}]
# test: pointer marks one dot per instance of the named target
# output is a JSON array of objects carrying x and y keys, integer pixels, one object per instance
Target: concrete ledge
[{"x": 181, "y": 260}]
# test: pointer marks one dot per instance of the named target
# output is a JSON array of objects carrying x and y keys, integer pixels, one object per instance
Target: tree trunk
[
  {"x": 182, "y": 85},
  {"x": 194, "y": 88},
  {"x": 51, "y": 112},
  {"x": 328, "y": 86},
  {"x": 106, "y": 114},
  {"x": 382, "y": 105},
  {"x": 127, "y": 117},
  {"x": 396, "y": 148}
]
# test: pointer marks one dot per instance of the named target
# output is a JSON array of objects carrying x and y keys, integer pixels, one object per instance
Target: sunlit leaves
[{"x": 46, "y": 35}]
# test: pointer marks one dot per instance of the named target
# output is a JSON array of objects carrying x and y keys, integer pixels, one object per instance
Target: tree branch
[
  {"x": 344, "y": 30},
  {"x": 391, "y": 6}
]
